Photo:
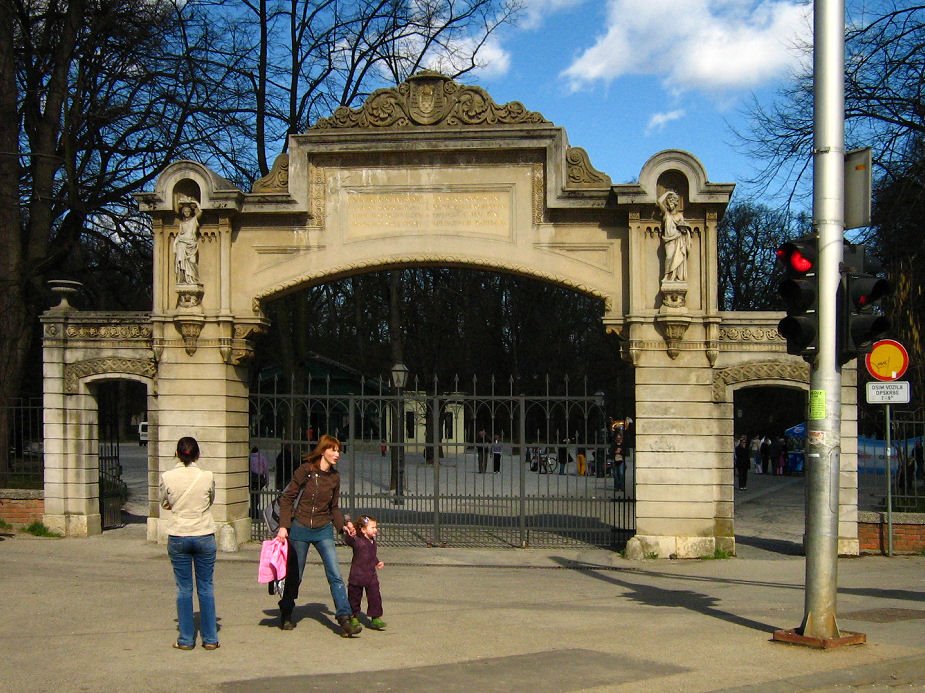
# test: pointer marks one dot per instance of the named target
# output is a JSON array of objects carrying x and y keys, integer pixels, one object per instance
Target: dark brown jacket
[{"x": 320, "y": 504}]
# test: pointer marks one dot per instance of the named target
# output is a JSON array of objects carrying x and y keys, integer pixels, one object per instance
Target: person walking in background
[
  {"x": 581, "y": 462},
  {"x": 765, "y": 450},
  {"x": 363, "y": 574},
  {"x": 258, "y": 478},
  {"x": 496, "y": 450},
  {"x": 188, "y": 492},
  {"x": 286, "y": 463},
  {"x": 481, "y": 450},
  {"x": 755, "y": 448},
  {"x": 629, "y": 445},
  {"x": 312, "y": 523},
  {"x": 618, "y": 455},
  {"x": 562, "y": 456},
  {"x": 780, "y": 458},
  {"x": 742, "y": 455}
]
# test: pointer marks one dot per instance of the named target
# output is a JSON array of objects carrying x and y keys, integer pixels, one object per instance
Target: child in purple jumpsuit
[{"x": 363, "y": 569}]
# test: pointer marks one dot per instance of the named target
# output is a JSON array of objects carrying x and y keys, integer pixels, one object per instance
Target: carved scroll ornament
[
  {"x": 429, "y": 98},
  {"x": 277, "y": 180}
]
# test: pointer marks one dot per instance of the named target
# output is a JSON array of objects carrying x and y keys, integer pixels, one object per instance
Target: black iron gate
[
  {"x": 459, "y": 469},
  {"x": 113, "y": 491}
]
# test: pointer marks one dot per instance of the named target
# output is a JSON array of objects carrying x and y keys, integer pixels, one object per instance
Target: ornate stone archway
[{"x": 435, "y": 172}]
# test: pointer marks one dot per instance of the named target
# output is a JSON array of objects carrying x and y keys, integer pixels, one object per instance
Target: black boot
[
  {"x": 285, "y": 618},
  {"x": 347, "y": 627}
]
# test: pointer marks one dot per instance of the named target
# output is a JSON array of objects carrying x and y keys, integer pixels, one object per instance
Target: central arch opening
[{"x": 503, "y": 372}]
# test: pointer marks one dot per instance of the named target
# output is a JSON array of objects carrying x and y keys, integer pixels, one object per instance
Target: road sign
[
  {"x": 887, "y": 360},
  {"x": 894, "y": 392}
]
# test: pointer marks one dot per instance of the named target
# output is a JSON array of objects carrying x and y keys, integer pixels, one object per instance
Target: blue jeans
[
  {"x": 300, "y": 537},
  {"x": 185, "y": 553},
  {"x": 619, "y": 475}
]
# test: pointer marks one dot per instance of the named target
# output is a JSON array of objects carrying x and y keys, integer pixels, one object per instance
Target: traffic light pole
[{"x": 823, "y": 440}]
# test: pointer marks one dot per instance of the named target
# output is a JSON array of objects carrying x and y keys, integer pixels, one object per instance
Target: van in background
[{"x": 143, "y": 433}]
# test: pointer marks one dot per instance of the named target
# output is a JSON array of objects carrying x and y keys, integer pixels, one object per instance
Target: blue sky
[{"x": 629, "y": 78}]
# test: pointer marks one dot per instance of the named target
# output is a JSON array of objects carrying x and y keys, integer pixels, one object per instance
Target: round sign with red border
[{"x": 888, "y": 360}]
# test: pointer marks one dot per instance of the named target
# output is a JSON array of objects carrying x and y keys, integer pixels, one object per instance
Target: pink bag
[{"x": 273, "y": 555}]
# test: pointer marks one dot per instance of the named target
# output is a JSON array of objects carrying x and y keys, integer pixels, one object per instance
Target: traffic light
[
  {"x": 800, "y": 290},
  {"x": 860, "y": 320}
]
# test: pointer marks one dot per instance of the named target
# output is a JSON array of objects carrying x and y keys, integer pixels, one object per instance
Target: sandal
[
  {"x": 179, "y": 646},
  {"x": 210, "y": 646}
]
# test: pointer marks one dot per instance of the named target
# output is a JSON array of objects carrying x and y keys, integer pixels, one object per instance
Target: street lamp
[{"x": 399, "y": 378}]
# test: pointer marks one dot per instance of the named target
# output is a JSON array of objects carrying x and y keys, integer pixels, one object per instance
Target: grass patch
[
  {"x": 4, "y": 524},
  {"x": 718, "y": 555},
  {"x": 38, "y": 529}
]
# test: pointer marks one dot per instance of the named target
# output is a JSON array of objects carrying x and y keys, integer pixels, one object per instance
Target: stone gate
[{"x": 432, "y": 172}]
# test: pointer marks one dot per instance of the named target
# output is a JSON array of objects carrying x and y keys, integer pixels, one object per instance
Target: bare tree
[
  {"x": 102, "y": 93},
  {"x": 884, "y": 107},
  {"x": 298, "y": 60},
  {"x": 748, "y": 234}
]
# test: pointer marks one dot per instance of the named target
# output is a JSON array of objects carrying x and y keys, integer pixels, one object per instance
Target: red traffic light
[{"x": 798, "y": 256}]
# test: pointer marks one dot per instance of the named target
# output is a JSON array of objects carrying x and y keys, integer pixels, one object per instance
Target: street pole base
[{"x": 795, "y": 637}]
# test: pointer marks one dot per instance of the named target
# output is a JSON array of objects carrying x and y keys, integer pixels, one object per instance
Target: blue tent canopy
[{"x": 798, "y": 431}]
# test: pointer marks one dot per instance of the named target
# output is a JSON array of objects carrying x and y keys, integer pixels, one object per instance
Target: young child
[{"x": 363, "y": 569}]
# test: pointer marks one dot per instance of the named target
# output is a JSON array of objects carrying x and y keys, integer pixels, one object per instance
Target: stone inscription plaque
[{"x": 457, "y": 212}]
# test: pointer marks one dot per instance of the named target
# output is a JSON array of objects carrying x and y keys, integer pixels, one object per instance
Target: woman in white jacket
[{"x": 188, "y": 492}]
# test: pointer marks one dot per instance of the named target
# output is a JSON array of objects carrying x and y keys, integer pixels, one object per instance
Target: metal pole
[
  {"x": 823, "y": 443},
  {"x": 889, "y": 486}
]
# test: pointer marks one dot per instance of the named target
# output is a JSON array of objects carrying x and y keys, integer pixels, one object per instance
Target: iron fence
[
  {"x": 457, "y": 469},
  {"x": 22, "y": 447},
  {"x": 906, "y": 480}
]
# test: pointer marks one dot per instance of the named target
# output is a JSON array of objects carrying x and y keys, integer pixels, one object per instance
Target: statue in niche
[
  {"x": 676, "y": 234},
  {"x": 186, "y": 244}
]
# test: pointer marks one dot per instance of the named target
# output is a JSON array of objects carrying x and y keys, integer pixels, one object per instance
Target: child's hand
[
  {"x": 350, "y": 529},
  {"x": 380, "y": 565}
]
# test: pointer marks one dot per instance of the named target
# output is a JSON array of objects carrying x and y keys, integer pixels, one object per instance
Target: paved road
[{"x": 98, "y": 615}]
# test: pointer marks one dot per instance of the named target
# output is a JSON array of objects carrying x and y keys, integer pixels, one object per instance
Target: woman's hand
[
  {"x": 350, "y": 529},
  {"x": 282, "y": 534}
]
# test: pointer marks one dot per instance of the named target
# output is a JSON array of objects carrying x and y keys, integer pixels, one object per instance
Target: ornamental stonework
[
  {"x": 429, "y": 99},
  {"x": 75, "y": 372},
  {"x": 790, "y": 371},
  {"x": 750, "y": 334},
  {"x": 277, "y": 180},
  {"x": 108, "y": 331},
  {"x": 581, "y": 174}
]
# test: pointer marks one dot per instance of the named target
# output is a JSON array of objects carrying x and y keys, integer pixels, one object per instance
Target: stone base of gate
[
  {"x": 229, "y": 536},
  {"x": 653, "y": 546},
  {"x": 74, "y": 525}
]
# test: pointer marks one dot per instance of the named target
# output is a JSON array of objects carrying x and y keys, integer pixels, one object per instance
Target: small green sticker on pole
[{"x": 816, "y": 405}]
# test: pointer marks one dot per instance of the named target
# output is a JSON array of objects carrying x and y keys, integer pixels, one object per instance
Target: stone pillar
[
  {"x": 71, "y": 457},
  {"x": 200, "y": 395}
]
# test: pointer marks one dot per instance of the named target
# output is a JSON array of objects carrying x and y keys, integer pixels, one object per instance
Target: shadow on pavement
[
  {"x": 683, "y": 599},
  {"x": 778, "y": 546}
]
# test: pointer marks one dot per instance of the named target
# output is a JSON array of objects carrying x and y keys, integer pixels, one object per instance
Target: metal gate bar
[{"x": 438, "y": 495}]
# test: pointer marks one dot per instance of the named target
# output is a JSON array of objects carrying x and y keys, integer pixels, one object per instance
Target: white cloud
[
  {"x": 660, "y": 120},
  {"x": 493, "y": 60},
  {"x": 535, "y": 12},
  {"x": 705, "y": 45}
]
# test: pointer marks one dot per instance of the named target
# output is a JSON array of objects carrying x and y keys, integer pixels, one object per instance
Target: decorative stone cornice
[
  {"x": 750, "y": 334},
  {"x": 74, "y": 372},
  {"x": 277, "y": 180},
  {"x": 790, "y": 371},
  {"x": 429, "y": 99},
  {"x": 104, "y": 331},
  {"x": 580, "y": 172}
]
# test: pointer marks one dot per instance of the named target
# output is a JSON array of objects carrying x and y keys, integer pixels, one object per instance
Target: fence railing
[
  {"x": 458, "y": 470},
  {"x": 21, "y": 445}
]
